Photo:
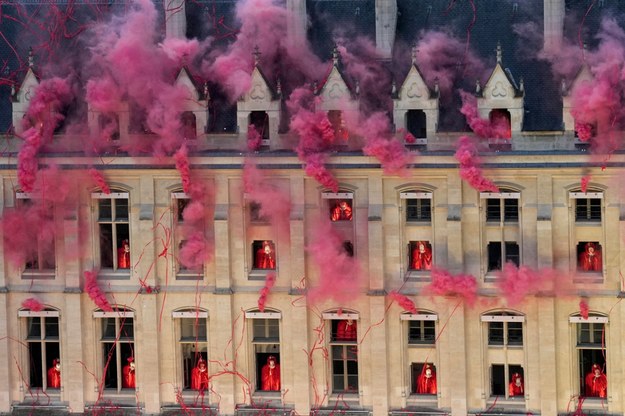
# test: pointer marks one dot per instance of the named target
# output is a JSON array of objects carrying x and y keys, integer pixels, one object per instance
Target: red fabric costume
[
  {"x": 123, "y": 256},
  {"x": 54, "y": 374},
  {"x": 270, "y": 375},
  {"x": 128, "y": 379},
  {"x": 515, "y": 388},
  {"x": 426, "y": 383},
  {"x": 265, "y": 256},
  {"x": 421, "y": 257},
  {"x": 590, "y": 259},
  {"x": 341, "y": 212},
  {"x": 596, "y": 383},
  {"x": 199, "y": 376},
  {"x": 346, "y": 330}
]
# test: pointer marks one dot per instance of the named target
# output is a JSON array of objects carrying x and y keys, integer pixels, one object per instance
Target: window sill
[
  {"x": 421, "y": 344},
  {"x": 109, "y": 274},
  {"x": 422, "y": 399},
  {"x": 189, "y": 275},
  {"x": 588, "y": 223},
  {"x": 418, "y": 276},
  {"x": 347, "y": 396},
  {"x": 510, "y": 402},
  {"x": 260, "y": 274},
  {"x": 588, "y": 277},
  {"x": 39, "y": 274}
]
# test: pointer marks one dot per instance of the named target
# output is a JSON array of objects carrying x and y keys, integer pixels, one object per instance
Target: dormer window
[
  {"x": 416, "y": 123},
  {"x": 260, "y": 121},
  {"x": 500, "y": 120},
  {"x": 108, "y": 125},
  {"x": 338, "y": 124},
  {"x": 189, "y": 127}
]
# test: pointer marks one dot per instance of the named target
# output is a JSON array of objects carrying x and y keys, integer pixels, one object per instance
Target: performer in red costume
[
  {"x": 421, "y": 256},
  {"x": 342, "y": 211},
  {"x": 265, "y": 256},
  {"x": 515, "y": 388},
  {"x": 426, "y": 383},
  {"x": 199, "y": 376},
  {"x": 590, "y": 259},
  {"x": 346, "y": 330},
  {"x": 123, "y": 255},
  {"x": 596, "y": 383},
  {"x": 128, "y": 379},
  {"x": 270, "y": 375},
  {"x": 54, "y": 374}
]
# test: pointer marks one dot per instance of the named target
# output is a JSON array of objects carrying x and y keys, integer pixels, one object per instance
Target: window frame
[
  {"x": 503, "y": 254},
  {"x": 198, "y": 342},
  {"x": 588, "y": 197},
  {"x": 120, "y": 316},
  {"x": 178, "y": 226},
  {"x": 502, "y": 199},
  {"x": 591, "y": 352},
  {"x": 27, "y": 199},
  {"x": 420, "y": 197},
  {"x": 43, "y": 340},
  {"x": 420, "y": 317},
  {"x": 261, "y": 348},
  {"x": 343, "y": 353},
  {"x": 113, "y": 196}
]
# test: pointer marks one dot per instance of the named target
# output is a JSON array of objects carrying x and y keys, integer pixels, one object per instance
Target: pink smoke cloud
[
  {"x": 270, "y": 280},
  {"x": 32, "y": 304},
  {"x": 275, "y": 204},
  {"x": 470, "y": 170},
  {"x": 498, "y": 127},
  {"x": 182, "y": 165},
  {"x": 99, "y": 180},
  {"x": 516, "y": 283},
  {"x": 254, "y": 139},
  {"x": 445, "y": 284},
  {"x": 194, "y": 253},
  {"x": 340, "y": 276},
  {"x": 95, "y": 293},
  {"x": 403, "y": 301},
  {"x": 584, "y": 182},
  {"x": 583, "y": 308}
]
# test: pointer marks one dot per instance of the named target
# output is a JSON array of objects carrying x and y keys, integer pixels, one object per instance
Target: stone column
[
  {"x": 296, "y": 21},
  {"x": 553, "y": 24},
  {"x": 385, "y": 26},
  {"x": 74, "y": 376},
  {"x": 175, "y": 19}
]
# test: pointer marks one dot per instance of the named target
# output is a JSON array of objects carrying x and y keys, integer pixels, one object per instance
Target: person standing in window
[
  {"x": 54, "y": 374},
  {"x": 426, "y": 383},
  {"x": 199, "y": 376},
  {"x": 270, "y": 375},
  {"x": 515, "y": 388},
  {"x": 590, "y": 259},
  {"x": 596, "y": 383},
  {"x": 265, "y": 256},
  {"x": 129, "y": 378},
  {"x": 342, "y": 211},
  {"x": 421, "y": 256},
  {"x": 346, "y": 330},
  {"x": 123, "y": 255}
]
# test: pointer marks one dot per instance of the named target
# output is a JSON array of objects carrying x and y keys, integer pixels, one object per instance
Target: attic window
[
  {"x": 260, "y": 121},
  {"x": 108, "y": 125},
  {"x": 416, "y": 123},
  {"x": 500, "y": 121},
  {"x": 189, "y": 127},
  {"x": 338, "y": 124}
]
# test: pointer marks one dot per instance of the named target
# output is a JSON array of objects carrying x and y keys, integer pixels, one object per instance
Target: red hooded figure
[
  {"x": 123, "y": 255},
  {"x": 590, "y": 259},
  {"x": 270, "y": 375},
  {"x": 54, "y": 374},
  {"x": 266, "y": 256},
  {"x": 421, "y": 257},
  {"x": 596, "y": 383},
  {"x": 341, "y": 212},
  {"x": 426, "y": 383},
  {"x": 346, "y": 330},
  {"x": 516, "y": 388},
  {"x": 128, "y": 379},
  {"x": 199, "y": 376}
]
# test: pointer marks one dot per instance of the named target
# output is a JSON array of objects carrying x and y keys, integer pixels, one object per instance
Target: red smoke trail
[
  {"x": 498, "y": 128},
  {"x": 32, "y": 304},
  {"x": 404, "y": 301},
  {"x": 264, "y": 292},
  {"x": 445, "y": 284},
  {"x": 470, "y": 171},
  {"x": 516, "y": 283},
  {"x": 95, "y": 293}
]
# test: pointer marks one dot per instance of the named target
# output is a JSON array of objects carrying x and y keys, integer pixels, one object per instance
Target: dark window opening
[
  {"x": 335, "y": 117},
  {"x": 509, "y": 252},
  {"x": 255, "y": 212},
  {"x": 118, "y": 354},
  {"x": 422, "y": 332},
  {"x": 416, "y": 123},
  {"x": 268, "y": 368},
  {"x": 502, "y": 383},
  {"x": 43, "y": 352},
  {"x": 588, "y": 210},
  {"x": 419, "y": 210},
  {"x": 264, "y": 255},
  {"x": 260, "y": 121},
  {"x": 114, "y": 232},
  {"x": 344, "y": 369},
  {"x": 181, "y": 204},
  {"x": 189, "y": 126},
  {"x": 505, "y": 333},
  {"x": 138, "y": 123},
  {"x": 108, "y": 125},
  {"x": 193, "y": 343},
  {"x": 509, "y": 213},
  {"x": 500, "y": 122},
  {"x": 589, "y": 257},
  {"x": 348, "y": 247},
  {"x": 423, "y": 380},
  {"x": 420, "y": 255},
  {"x": 340, "y": 209},
  {"x": 593, "y": 373}
]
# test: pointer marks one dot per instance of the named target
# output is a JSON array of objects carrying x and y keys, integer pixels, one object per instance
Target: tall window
[
  {"x": 117, "y": 349},
  {"x": 42, "y": 341},
  {"x": 265, "y": 340},
  {"x": 421, "y": 336},
  {"x": 591, "y": 355},
  {"x": 344, "y": 354},
  {"x": 181, "y": 230},
  {"x": 113, "y": 230},
  {"x": 504, "y": 354},
  {"x": 192, "y": 330},
  {"x": 500, "y": 253},
  {"x": 40, "y": 258}
]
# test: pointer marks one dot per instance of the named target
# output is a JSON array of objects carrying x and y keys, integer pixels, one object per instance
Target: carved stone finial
[
  {"x": 357, "y": 90},
  {"x": 31, "y": 58},
  {"x": 279, "y": 87},
  {"x": 206, "y": 94},
  {"x": 522, "y": 85},
  {"x": 335, "y": 55},
  {"x": 478, "y": 87},
  {"x": 563, "y": 88},
  {"x": 256, "y": 55},
  {"x": 498, "y": 52},
  {"x": 393, "y": 88},
  {"x": 436, "y": 86},
  {"x": 414, "y": 52}
]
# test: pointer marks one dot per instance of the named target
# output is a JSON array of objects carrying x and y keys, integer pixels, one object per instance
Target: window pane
[
  {"x": 106, "y": 246},
  {"x": 419, "y": 210},
  {"x": 121, "y": 209},
  {"x": 52, "y": 353},
  {"x": 108, "y": 328},
  {"x": 110, "y": 365},
  {"x": 494, "y": 255},
  {"x": 35, "y": 364},
  {"x": 181, "y": 204},
  {"x": 104, "y": 210},
  {"x": 52, "y": 328},
  {"x": 127, "y": 329},
  {"x": 193, "y": 329},
  {"x": 583, "y": 333},
  {"x": 495, "y": 333},
  {"x": 498, "y": 380},
  {"x": 34, "y": 328},
  {"x": 515, "y": 333},
  {"x": 266, "y": 330},
  {"x": 512, "y": 253},
  {"x": 339, "y": 382},
  {"x": 511, "y": 210},
  {"x": 493, "y": 209},
  {"x": 588, "y": 209}
]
